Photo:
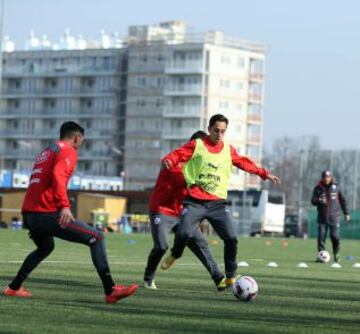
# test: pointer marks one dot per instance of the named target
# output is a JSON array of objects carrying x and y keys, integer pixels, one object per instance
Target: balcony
[
  {"x": 19, "y": 154},
  {"x": 178, "y": 134},
  {"x": 182, "y": 111},
  {"x": 9, "y": 93},
  {"x": 139, "y": 154},
  {"x": 46, "y": 134},
  {"x": 80, "y": 70},
  {"x": 255, "y": 97},
  {"x": 254, "y": 139},
  {"x": 256, "y": 77},
  {"x": 94, "y": 155},
  {"x": 184, "y": 67},
  {"x": 254, "y": 118},
  {"x": 183, "y": 90},
  {"x": 56, "y": 114},
  {"x": 30, "y": 154}
]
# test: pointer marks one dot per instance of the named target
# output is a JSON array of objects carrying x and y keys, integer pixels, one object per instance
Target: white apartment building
[{"x": 176, "y": 82}]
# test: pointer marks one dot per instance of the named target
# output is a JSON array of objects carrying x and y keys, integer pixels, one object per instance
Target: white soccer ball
[
  {"x": 324, "y": 256},
  {"x": 245, "y": 288}
]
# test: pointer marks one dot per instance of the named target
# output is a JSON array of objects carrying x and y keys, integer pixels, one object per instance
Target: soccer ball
[
  {"x": 245, "y": 288},
  {"x": 323, "y": 256}
]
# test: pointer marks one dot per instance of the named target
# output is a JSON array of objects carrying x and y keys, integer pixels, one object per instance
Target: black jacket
[{"x": 330, "y": 212}]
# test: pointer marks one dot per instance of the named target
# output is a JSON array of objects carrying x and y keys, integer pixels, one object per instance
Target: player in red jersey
[
  {"x": 165, "y": 211},
  {"x": 46, "y": 213}
]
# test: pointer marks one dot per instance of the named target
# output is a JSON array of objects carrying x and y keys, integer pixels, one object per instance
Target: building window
[
  {"x": 224, "y": 83},
  {"x": 226, "y": 60},
  {"x": 141, "y": 103},
  {"x": 241, "y": 62},
  {"x": 141, "y": 82}
]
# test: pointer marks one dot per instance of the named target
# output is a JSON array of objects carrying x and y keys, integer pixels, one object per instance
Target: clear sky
[{"x": 313, "y": 67}]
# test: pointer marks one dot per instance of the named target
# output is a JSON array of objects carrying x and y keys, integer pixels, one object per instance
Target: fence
[{"x": 347, "y": 231}]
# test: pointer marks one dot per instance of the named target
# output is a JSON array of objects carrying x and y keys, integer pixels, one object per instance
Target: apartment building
[
  {"x": 137, "y": 98},
  {"x": 43, "y": 88},
  {"x": 176, "y": 82}
]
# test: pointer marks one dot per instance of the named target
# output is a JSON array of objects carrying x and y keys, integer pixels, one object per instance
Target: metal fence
[{"x": 347, "y": 231}]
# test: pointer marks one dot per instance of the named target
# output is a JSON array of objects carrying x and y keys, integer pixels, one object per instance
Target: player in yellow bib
[{"x": 208, "y": 166}]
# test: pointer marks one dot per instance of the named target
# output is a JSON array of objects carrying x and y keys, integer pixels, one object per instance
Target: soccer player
[
  {"x": 165, "y": 208},
  {"x": 330, "y": 202},
  {"x": 46, "y": 213},
  {"x": 208, "y": 166}
]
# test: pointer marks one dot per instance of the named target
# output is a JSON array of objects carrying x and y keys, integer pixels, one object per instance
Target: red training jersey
[
  {"x": 169, "y": 192},
  {"x": 185, "y": 152},
  {"x": 53, "y": 167}
]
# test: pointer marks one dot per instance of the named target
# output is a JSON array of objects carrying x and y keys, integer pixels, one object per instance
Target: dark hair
[
  {"x": 217, "y": 118},
  {"x": 70, "y": 129},
  {"x": 198, "y": 134}
]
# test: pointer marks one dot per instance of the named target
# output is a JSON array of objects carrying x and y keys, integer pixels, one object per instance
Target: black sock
[
  {"x": 107, "y": 281},
  {"x": 17, "y": 281}
]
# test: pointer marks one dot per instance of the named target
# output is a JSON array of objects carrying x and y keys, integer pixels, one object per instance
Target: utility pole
[
  {"x": 355, "y": 181},
  {"x": 1, "y": 68},
  {"x": 331, "y": 166},
  {"x": 300, "y": 195}
]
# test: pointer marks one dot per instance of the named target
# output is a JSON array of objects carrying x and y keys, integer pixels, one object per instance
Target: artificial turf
[{"x": 68, "y": 296}]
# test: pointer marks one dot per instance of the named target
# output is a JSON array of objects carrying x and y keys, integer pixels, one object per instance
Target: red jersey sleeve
[
  {"x": 181, "y": 154},
  {"x": 247, "y": 165},
  {"x": 64, "y": 165}
]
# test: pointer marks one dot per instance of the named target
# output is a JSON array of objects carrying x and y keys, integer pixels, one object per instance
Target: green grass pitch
[{"x": 68, "y": 297}]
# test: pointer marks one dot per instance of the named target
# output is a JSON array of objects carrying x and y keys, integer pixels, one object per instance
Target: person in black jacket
[{"x": 330, "y": 202}]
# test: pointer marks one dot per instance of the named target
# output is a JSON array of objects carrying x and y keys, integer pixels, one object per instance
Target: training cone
[
  {"x": 302, "y": 265},
  {"x": 272, "y": 264},
  {"x": 356, "y": 265},
  {"x": 336, "y": 265},
  {"x": 243, "y": 264},
  {"x": 284, "y": 243}
]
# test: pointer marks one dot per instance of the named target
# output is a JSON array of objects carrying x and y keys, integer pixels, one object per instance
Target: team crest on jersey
[
  {"x": 334, "y": 186},
  {"x": 43, "y": 156},
  {"x": 157, "y": 220}
]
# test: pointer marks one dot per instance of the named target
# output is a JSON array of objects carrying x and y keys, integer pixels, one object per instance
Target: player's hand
[
  {"x": 274, "y": 179},
  {"x": 165, "y": 164},
  {"x": 347, "y": 219},
  {"x": 65, "y": 217}
]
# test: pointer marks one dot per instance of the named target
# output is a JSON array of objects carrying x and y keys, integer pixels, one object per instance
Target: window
[
  {"x": 254, "y": 129},
  {"x": 226, "y": 60},
  {"x": 175, "y": 124},
  {"x": 141, "y": 82},
  {"x": 239, "y": 107},
  {"x": 241, "y": 62},
  {"x": 224, "y": 83},
  {"x": 253, "y": 151},
  {"x": 239, "y": 86},
  {"x": 224, "y": 105},
  {"x": 141, "y": 103},
  {"x": 159, "y": 102}
]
